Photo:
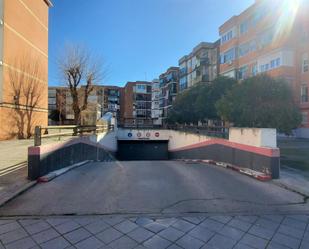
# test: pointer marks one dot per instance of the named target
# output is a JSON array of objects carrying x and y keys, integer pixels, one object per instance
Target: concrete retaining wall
[{"x": 46, "y": 158}]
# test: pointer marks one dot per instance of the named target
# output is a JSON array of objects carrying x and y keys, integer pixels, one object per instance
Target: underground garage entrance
[{"x": 142, "y": 150}]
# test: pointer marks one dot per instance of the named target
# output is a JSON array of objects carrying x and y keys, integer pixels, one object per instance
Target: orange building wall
[
  {"x": 282, "y": 41},
  {"x": 25, "y": 35}
]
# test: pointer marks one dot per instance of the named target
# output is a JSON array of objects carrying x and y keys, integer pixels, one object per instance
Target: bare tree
[
  {"x": 80, "y": 71},
  {"x": 25, "y": 76}
]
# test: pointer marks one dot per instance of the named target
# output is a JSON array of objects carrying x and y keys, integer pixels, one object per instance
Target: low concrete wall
[
  {"x": 244, "y": 154},
  {"x": 254, "y": 136},
  {"x": 46, "y": 158}
]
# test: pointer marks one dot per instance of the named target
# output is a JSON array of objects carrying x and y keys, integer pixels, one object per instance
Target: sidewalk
[
  {"x": 295, "y": 180},
  {"x": 13, "y": 166},
  {"x": 188, "y": 232}
]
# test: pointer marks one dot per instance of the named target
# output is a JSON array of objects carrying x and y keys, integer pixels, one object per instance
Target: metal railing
[{"x": 67, "y": 130}]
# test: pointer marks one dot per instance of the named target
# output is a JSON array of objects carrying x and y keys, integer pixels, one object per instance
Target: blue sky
[{"x": 138, "y": 39}]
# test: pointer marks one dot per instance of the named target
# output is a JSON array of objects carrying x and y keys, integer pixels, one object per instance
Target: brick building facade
[{"x": 23, "y": 65}]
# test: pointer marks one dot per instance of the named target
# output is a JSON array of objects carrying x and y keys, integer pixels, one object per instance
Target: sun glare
[{"x": 287, "y": 11}]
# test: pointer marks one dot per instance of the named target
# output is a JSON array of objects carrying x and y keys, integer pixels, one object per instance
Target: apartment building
[
  {"x": 101, "y": 100},
  {"x": 23, "y": 62},
  {"x": 155, "y": 102},
  {"x": 200, "y": 66},
  {"x": 136, "y": 102},
  {"x": 168, "y": 84},
  {"x": 270, "y": 37},
  {"x": 111, "y": 100}
]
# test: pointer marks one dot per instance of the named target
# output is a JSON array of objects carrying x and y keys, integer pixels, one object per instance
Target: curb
[
  {"x": 18, "y": 192},
  {"x": 50, "y": 176},
  {"x": 245, "y": 171}
]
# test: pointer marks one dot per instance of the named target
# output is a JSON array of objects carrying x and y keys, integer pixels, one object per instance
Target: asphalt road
[{"x": 154, "y": 187}]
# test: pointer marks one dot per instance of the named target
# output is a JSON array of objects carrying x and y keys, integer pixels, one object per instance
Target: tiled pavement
[{"x": 192, "y": 232}]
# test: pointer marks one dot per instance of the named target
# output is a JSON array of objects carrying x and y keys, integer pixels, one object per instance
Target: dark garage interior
[{"x": 141, "y": 150}]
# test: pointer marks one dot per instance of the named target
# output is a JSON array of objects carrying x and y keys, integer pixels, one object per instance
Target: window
[
  {"x": 247, "y": 48},
  {"x": 254, "y": 69},
  {"x": 242, "y": 73},
  {"x": 227, "y": 36},
  {"x": 304, "y": 118},
  {"x": 244, "y": 27},
  {"x": 266, "y": 38},
  {"x": 305, "y": 63},
  {"x": 228, "y": 56},
  {"x": 304, "y": 93},
  {"x": 183, "y": 83}
]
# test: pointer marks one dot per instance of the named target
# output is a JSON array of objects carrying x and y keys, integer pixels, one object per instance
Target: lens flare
[{"x": 287, "y": 11}]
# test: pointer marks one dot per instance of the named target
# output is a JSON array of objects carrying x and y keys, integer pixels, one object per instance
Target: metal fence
[{"x": 42, "y": 132}]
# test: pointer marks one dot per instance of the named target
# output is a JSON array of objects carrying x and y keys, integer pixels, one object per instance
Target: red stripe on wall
[{"x": 257, "y": 150}]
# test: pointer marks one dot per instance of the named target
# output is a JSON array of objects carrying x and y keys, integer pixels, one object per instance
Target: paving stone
[
  {"x": 248, "y": 218},
  {"x": 254, "y": 241},
  {"x": 188, "y": 242},
  {"x": 97, "y": 226},
  {"x": 304, "y": 245},
  {"x": 9, "y": 237},
  {"x": 273, "y": 217},
  {"x": 268, "y": 224},
  {"x": 167, "y": 221},
  {"x": 174, "y": 246},
  {"x": 242, "y": 246},
  {"x": 24, "y": 243},
  {"x": 141, "y": 247},
  {"x": 37, "y": 227},
  {"x": 201, "y": 233},
  {"x": 126, "y": 226},
  {"x": 231, "y": 232},
  {"x": 91, "y": 242},
  {"x": 294, "y": 223},
  {"x": 261, "y": 232},
  {"x": 113, "y": 220},
  {"x": 67, "y": 227},
  {"x": 143, "y": 221},
  {"x": 286, "y": 241},
  {"x": 109, "y": 235},
  {"x": 183, "y": 226},
  {"x": 28, "y": 222},
  {"x": 222, "y": 242},
  {"x": 8, "y": 227},
  {"x": 77, "y": 235},
  {"x": 123, "y": 243},
  {"x": 83, "y": 221},
  {"x": 58, "y": 243},
  {"x": 57, "y": 221},
  {"x": 290, "y": 231},
  {"x": 194, "y": 220},
  {"x": 140, "y": 234},
  {"x": 221, "y": 218},
  {"x": 212, "y": 225},
  {"x": 239, "y": 224},
  {"x": 157, "y": 242},
  {"x": 45, "y": 236},
  {"x": 303, "y": 218},
  {"x": 306, "y": 236},
  {"x": 155, "y": 227},
  {"x": 6, "y": 221},
  {"x": 171, "y": 234},
  {"x": 274, "y": 245}
]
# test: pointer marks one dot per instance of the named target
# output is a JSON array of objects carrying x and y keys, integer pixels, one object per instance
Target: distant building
[
  {"x": 169, "y": 82},
  {"x": 111, "y": 99},
  {"x": 155, "y": 103},
  {"x": 270, "y": 37},
  {"x": 23, "y": 38},
  {"x": 200, "y": 66},
  {"x": 102, "y": 99},
  {"x": 136, "y": 102}
]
